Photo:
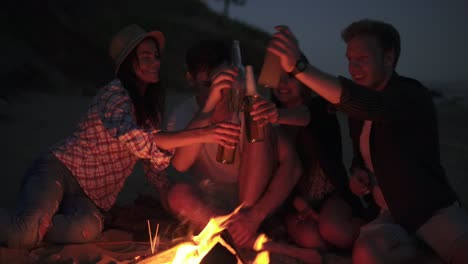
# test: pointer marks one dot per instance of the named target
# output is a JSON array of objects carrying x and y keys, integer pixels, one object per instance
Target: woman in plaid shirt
[{"x": 64, "y": 192}]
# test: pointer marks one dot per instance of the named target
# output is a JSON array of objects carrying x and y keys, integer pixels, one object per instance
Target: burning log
[{"x": 228, "y": 239}]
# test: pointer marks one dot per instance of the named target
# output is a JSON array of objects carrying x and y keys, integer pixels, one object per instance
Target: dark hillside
[{"x": 60, "y": 46}]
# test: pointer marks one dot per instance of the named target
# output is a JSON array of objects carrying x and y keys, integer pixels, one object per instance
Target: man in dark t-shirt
[{"x": 393, "y": 125}]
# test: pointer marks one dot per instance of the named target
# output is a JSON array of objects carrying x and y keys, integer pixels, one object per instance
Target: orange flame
[
  {"x": 263, "y": 257},
  {"x": 194, "y": 251}
]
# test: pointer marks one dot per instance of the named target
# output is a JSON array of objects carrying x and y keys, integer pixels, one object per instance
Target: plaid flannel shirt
[{"x": 101, "y": 154}]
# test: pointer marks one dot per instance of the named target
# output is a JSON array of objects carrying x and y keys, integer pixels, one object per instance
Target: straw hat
[{"x": 127, "y": 39}]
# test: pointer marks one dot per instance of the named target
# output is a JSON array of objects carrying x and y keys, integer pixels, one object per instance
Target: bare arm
[
  {"x": 218, "y": 133},
  {"x": 409, "y": 101},
  {"x": 186, "y": 155},
  {"x": 324, "y": 84},
  {"x": 285, "y": 45}
]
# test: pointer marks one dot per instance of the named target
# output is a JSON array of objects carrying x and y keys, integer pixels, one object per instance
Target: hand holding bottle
[
  {"x": 360, "y": 182},
  {"x": 223, "y": 79},
  {"x": 264, "y": 112},
  {"x": 285, "y": 45},
  {"x": 229, "y": 109},
  {"x": 224, "y": 133}
]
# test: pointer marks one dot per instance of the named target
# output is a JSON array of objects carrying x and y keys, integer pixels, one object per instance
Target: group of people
[{"x": 395, "y": 199}]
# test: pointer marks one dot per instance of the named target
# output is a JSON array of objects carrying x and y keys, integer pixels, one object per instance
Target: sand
[{"x": 30, "y": 122}]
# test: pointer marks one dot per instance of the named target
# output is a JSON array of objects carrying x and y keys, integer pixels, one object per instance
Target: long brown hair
[{"x": 151, "y": 104}]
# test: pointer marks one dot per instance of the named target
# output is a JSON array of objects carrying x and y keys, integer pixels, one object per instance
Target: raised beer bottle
[
  {"x": 254, "y": 132},
  {"x": 233, "y": 97},
  {"x": 271, "y": 71}
]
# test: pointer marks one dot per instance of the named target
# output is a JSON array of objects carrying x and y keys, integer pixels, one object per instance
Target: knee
[
  {"x": 339, "y": 230},
  {"x": 337, "y": 226},
  {"x": 339, "y": 234},
  {"x": 304, "y": 233},
  {"x": 364, "y": 251},
  {"x": 27, "y": 231},
  {"x": 309, "y": 239},
  {"x": 91, "y": 228},
  {"x": 76, "y": 228},
  {"x": 179, "y": 196}
]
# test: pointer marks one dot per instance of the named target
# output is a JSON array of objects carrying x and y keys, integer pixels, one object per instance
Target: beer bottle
[
  {"x": 234, "y": 100},
  {"x": 254, "y": 132}
]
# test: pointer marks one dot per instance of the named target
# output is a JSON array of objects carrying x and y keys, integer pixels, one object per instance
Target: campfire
[{"x": 194, "y": 250}]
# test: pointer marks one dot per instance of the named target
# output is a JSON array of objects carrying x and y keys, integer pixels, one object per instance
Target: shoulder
[
  {"x": 406, "y": 84},
  {"x": 411, "y": 91},
  {"x": 114, "y": 88},
  {"x": 112, "y": 94}
]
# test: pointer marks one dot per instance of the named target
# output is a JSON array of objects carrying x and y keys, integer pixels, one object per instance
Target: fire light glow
[{"x": 194, "y": 251}]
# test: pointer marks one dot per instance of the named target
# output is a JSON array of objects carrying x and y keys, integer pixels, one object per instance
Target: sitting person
[
  {"x": 393, "y": 126},
  {"x": 322, "y": 200},
  {"x": 65, "y": 192},
  {"x": 263, "y": 173}
]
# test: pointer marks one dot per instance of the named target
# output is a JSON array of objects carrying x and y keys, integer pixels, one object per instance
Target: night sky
[{"x": 434, "y": 33}]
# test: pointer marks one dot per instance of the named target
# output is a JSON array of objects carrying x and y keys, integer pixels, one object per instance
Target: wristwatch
[{"x": 301, "y": 65}]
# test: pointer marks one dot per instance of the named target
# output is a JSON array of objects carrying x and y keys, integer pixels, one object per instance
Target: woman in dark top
[{"x": 322, "y": 200}]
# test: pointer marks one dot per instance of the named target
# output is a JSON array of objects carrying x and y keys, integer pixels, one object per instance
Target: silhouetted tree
[{"x": 227, "y": 4}]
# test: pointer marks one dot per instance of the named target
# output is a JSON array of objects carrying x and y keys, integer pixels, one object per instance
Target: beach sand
[{"x": 31, "y": 122}]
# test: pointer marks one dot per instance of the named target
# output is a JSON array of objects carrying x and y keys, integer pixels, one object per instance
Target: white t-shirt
[
  {"x": 205, "y": 166},
  {"x": 364, "y": 146}
]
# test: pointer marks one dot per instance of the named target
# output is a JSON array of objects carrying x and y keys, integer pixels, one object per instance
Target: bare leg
[
  {"x": 256, "y": 168},
  {"x": 186, "y": 202},
  {"x": 304, "y": 232}
]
